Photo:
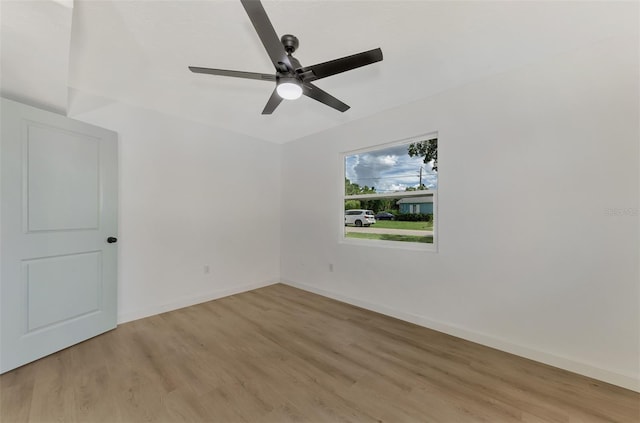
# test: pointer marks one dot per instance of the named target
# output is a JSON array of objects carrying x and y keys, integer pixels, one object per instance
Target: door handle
[{"x": 112, "y": 239}]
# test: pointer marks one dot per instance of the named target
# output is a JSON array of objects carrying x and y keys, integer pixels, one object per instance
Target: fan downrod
[{"x": 290, "y": 43}]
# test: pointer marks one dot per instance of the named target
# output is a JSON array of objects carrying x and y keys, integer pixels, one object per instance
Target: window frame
[{"x": 401, "y": 245}]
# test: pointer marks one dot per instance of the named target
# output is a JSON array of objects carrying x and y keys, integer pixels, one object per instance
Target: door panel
[
  {"x": 59, "y": 196},
  {"x": 59, "y": 206},
  {"x": 49, "y": 279}
]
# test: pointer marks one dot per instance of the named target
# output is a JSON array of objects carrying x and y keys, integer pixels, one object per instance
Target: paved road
[{"x": 374, "y": 230}]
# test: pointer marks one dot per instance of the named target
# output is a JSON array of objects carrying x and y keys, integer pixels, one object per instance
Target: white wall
[
  {"x": 190, "y": 196},
  {"x": 36, "y": 35},
  {"x": 530, "y": 258}
]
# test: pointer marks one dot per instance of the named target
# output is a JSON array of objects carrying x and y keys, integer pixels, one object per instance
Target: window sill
[{"x": 398, "y": 245}]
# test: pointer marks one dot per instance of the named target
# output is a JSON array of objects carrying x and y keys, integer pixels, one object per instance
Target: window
[{"x": 390, "y": 194}]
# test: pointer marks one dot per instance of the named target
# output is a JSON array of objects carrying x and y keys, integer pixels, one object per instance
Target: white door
[{"x": 58, "y": 208}]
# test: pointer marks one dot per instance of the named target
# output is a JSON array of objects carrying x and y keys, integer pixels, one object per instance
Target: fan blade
[
  {"x": 316, "y": 93},
  {"x": 267, "y": 34},
  {"x": 235, "y": 74},
  {"x": 273, "y": 102},
  {"x": 332, "y": 67}
]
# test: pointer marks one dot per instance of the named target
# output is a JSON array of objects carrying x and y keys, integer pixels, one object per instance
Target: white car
[{"x": 359, "y": 217}]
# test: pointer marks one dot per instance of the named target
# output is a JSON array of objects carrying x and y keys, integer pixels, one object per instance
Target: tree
[
  {"x": 351, "y": 204},
  {"x": 353, "y": 189},
  {"x": 427, "y": 149}
]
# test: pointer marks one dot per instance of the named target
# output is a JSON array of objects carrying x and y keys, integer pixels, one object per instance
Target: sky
[{"x": 389, "y": 169}]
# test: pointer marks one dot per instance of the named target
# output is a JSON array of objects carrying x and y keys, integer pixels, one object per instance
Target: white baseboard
[
  {"x": 572, "y": 365},
  {"x": 191, "y": 300}
]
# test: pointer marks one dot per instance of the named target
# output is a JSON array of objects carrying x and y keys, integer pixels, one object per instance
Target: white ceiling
[{"x": 137, "y": 52}]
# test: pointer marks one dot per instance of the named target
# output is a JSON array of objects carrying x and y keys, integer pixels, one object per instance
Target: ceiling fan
[{"x": 292, "y": 79}]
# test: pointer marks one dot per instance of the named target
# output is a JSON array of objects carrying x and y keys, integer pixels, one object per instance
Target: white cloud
[{"x": 388, "y": 160}]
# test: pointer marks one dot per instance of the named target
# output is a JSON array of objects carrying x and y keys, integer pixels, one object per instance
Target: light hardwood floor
[{"x": 279, "y": 354}]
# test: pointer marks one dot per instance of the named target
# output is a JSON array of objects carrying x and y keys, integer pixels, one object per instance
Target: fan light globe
[{"x": 289, "y": 90}]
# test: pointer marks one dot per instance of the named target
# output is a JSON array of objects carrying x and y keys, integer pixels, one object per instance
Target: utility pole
[{"x": 420, "y": 185}]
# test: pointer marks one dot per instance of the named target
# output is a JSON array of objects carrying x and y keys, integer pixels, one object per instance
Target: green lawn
[
  {"x": 394, "y": 224},
  {"x": 391, "y": 237}
]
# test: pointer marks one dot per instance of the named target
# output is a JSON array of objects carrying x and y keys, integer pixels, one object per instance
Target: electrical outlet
[{"x": 206, "y": 269}]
